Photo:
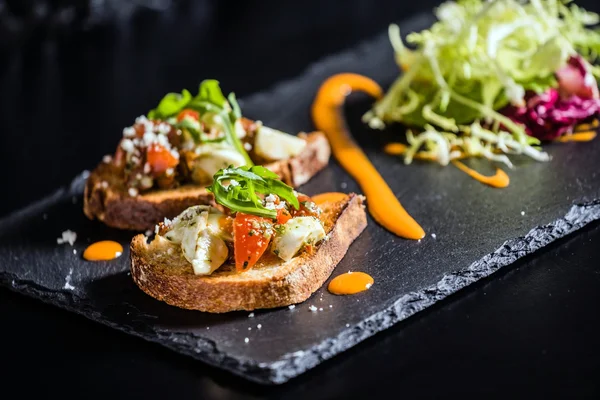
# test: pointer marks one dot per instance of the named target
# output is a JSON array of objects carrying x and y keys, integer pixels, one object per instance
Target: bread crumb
[
  {"x": 292, "y": 307},
  {"x": 259, "y": 326},
  {"x": 104, "y": 185},
  {"x": 251, "y": 315},
  {"x": 312, "y": 308},
  {"x": 433, "y": 235},
  {"x": 68, "y": 236},
  {"x": 246, "y": 340}
]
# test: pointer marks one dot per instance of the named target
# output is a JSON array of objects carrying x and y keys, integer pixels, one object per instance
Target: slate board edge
[{"x": 298, "y": 362}]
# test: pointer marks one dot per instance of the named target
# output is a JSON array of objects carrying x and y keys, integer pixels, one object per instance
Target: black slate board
[{"x": 478, "y": 230}]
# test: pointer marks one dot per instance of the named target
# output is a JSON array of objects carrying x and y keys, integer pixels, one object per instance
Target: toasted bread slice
[
  {"x": 107, "y": 199},
  {"x": 161, "y": 271}
]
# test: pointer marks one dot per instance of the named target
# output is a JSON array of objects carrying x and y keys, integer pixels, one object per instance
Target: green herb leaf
[
  {"x": 250, "y": 181},
  {"x": 171, "y": 104}
]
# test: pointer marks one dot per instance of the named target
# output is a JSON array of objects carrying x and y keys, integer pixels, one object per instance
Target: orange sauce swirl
[
  {"x": 498, "y": 180},
  {"x": 586, "y": 136},
  {"x": 350, "y": 283},
  {"x": 103, "y": 251},
  {"x": 382, "y": 203}
]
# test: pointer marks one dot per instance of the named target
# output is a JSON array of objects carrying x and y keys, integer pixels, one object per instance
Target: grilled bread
[{"x": 160, "y": 269}]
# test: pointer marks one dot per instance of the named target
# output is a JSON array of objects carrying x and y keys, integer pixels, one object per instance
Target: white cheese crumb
[
  {"x": 251, "y": 315},
  {"x": 164, "y": 128},
  {"x": 280, "y": 205},
  {"x": 259, "y": 326},
  {"x": 522, "y": 212},
  {"x": 68, "y": 285},
  {"x": 292, "y": 307},
  {"x": 208, "y": 327},
  {"x": 107, "y": 159},
  {"x": 170, "y": 171},
  {"x": 320, "y": 308},
  {"x": 138, "y": 176},
  {"x": 349, "y": 272},
  {"x": 148, "y": 232},
  {"x": 433, "y": 235},
  {"x": 368, "y": 285},
  {"x": 133, "y": 192},
  {"x": 129, "y": 131},
  {"x": 343, "y": 185},
  {"x": 249, "y": 328},
  {"x": 330, "y": 306},
  {"x": 68, "y": 236},
  {"x": 118, "y": 254},
  {"x": 347, "y": 325},
  {"x": 104, "y": 185},
  {"x": 246, "y": 340},
  {"x": 233, "y": 182},
  {"x": 74, "y": 251},
  {"x": 147, "y": 168},
  {"x": 247, "y": 146},
  {"x": 127, "y": 145},
  {"x": 295, "y": 193},
  {"x": 312, "y": 308},
  {"x": 85, "y": 174}
]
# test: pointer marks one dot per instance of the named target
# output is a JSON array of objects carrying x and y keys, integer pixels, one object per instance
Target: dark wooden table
[{"x": 530, "y": 330}]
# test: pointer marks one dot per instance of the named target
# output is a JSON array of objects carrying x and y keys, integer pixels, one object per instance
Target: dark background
[{"x": 73, "y": 74}]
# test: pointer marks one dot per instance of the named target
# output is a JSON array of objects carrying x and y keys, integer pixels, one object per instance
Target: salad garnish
[{"x": 493, "y": 78}]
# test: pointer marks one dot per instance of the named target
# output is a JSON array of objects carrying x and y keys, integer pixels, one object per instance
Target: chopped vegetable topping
[{"x": 249, "y": 243}]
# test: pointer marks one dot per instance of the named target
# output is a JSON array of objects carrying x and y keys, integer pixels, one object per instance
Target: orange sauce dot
[
  {"x": 350, "y": 283},
  {"x": 498, "y": 180},
  {"x": 329, "y": 197},
  {"x": 103, "y": 251}
]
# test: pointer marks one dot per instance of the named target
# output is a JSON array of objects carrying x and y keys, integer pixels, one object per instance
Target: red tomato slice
[
  {"x": 283, "y": 216},
  {"x": 160, "y": 159},
  {"x": 188, "y": 113},
  {"x": 249, "y": 241}
]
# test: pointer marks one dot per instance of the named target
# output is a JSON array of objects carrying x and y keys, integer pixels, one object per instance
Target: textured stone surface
[{"x": 478, "y": 230}]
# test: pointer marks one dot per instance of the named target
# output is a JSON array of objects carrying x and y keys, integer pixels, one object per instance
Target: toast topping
[
  {"x": 256, "y": 218},
  {"x": 188, "y": 139}
]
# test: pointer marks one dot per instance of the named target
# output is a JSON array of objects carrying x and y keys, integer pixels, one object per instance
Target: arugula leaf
[
  {"x": 251, "y": 180},
  {"x": 171, "y": 104}
]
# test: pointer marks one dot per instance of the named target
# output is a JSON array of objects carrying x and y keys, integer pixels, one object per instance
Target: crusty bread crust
[
  {"x": 106, "y": 198},
  {"x": 162, "y": 272}
]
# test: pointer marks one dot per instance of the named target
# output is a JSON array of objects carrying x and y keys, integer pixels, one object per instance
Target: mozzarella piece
[
  {"x": 212, "y": 158},
  {"x": 296, "y": 233},
  {"x": 276, "y": 145},
  {"x": 209, "y": 254}
]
